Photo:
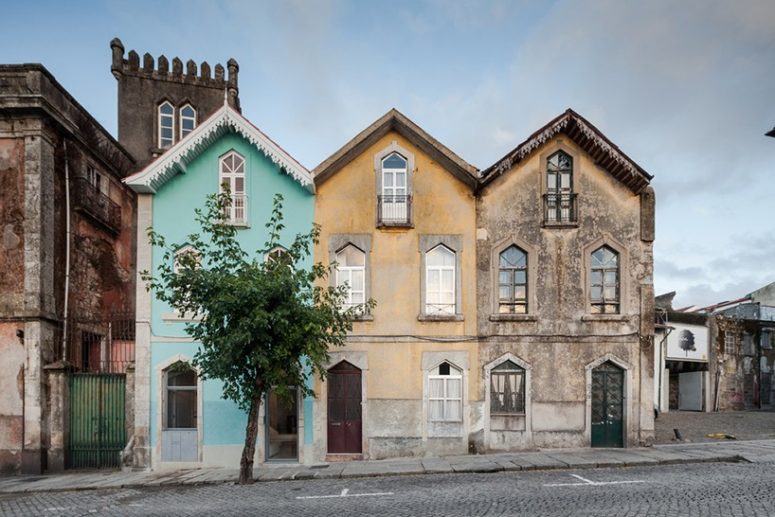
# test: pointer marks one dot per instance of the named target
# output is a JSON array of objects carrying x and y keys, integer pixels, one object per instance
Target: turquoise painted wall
[{"x": 173, "y": 217}]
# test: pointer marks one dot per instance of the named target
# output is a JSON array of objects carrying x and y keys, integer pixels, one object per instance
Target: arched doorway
[
  {"x": 344, "y": 409},
  {"x": 607, "y": 409}
]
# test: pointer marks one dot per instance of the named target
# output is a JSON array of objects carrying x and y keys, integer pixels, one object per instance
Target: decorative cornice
[{"x": 175, "y": 159}]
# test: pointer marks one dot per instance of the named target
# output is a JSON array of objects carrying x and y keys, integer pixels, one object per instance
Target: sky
[{"x": 686, "y": 89}]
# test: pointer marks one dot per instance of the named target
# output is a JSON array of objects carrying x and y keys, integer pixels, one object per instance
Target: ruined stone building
[{"x": 66, "y": 259}]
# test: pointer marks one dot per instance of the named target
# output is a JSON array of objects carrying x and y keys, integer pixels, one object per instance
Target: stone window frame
[
  {"x": 195, "y": 118},
  {"x": 159, "y": 115},
  {"x": 394, "y": 147},
  {"x": 455, "y": 244},
  {"x": 532, "y": 275},
  {"x": 543, "y": 160},
  {"x": 362, "y": 241},
  {"x": 161, "y": 393},
  {"x": 587, "y": 250},
  {"x": 246, "y": 207},
  {"x": 431, "y": 361},
  {"x": 528, "y": 403}
]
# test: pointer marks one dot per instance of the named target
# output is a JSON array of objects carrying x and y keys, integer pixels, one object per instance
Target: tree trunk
[{"x": 249, "y": 451}]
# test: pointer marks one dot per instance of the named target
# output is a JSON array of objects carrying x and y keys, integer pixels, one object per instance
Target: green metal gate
[
  {"x": 607, "y": 406},
  {"x": 97, "y": 420}
]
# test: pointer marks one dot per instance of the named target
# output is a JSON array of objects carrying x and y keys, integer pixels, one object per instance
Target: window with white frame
[
  {"x": 278, "y": 254},
  {"x": 512, "y": 281},
  {"x": 440, "y": 281},
  {"x": 232, "y": 176},
  {"x": 187, "y": 120},
  {"x": 97, "y": 180},
  {"x": 351, "y": 271},
  {"x": 394, "y": 200},
  {"x": 445, "y": 394},
  {"x": 604, "y": 285},
  {"x": 507, "y": 389},
  {"x": 185, "y": 257},
  {"x": 166, "y": 125}
]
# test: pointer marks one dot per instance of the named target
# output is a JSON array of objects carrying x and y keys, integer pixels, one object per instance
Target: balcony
[
  {"x": 236, "y": 212},
  {"x": 560, "y": 209},
  {"x": 91, "y": 201},
  {"x": 394, "y": 210}
]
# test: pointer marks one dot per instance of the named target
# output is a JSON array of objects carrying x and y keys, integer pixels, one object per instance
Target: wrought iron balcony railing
[
  {"x": 90, "y": 200},
  {"x": 560, "y": 208},
  {"x": 394, "y": 210}
]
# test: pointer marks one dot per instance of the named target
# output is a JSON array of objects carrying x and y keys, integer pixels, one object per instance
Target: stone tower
[{"x": 157, "y": 106}]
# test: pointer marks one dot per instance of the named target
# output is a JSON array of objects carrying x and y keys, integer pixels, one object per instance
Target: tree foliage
[{"x": 264, "y": 320}]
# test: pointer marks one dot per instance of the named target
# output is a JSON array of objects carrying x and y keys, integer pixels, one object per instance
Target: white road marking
[
  {"x": 589, "y": 482},
  {"x": 345, "y": 493}
]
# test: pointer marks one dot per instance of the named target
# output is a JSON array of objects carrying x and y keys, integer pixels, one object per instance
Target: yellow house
[{"x": 397, "y": 211}]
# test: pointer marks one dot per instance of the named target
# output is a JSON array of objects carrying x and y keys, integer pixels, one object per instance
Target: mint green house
[{"x": 181, "y": 420}]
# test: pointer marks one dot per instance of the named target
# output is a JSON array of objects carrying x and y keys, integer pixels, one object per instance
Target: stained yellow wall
[{"x": 441, "y": 204}]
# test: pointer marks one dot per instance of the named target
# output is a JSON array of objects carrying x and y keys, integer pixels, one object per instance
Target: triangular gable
[
  {"x": 585, "y": 135},
  {"x": 393, "y": 120},
  {"x": 226, "y": 119}
]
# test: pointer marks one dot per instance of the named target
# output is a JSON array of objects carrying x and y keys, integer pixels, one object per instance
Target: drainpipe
[{"x": 67, "y": 253}]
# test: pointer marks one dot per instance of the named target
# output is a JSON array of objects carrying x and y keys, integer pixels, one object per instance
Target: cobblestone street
[
  {"x": 724, "y": 490},
  {"x": 695, "y": 426}
]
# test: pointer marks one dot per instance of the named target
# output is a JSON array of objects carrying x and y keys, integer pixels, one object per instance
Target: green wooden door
[
  {"x": 97, "y": 420},
  {"x": 607, "y": 406}
]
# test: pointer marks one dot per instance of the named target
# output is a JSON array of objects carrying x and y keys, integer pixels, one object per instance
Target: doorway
[
  {"x": 282, "y": 427},
  {"x": 607, "y": 406},
  {"x": 344, "y": 409}
]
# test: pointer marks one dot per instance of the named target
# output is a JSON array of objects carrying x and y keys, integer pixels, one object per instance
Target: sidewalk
[{"x": 757, "y": 451}]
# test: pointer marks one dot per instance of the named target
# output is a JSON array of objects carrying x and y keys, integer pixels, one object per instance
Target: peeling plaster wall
[{"x": 560, "y": 336}]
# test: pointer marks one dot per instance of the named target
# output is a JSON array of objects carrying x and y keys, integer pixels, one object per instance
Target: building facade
[
  {"x": 180, "y": 419},
  {"x": 67, "y": 261}
]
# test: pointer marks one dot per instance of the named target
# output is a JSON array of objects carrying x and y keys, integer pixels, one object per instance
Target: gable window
[
  {"x": 232, "y": 176},
  {"x": 440, "y": 281},
  {"x": 445, "y": 394},
  {"x": 512, "y": 281},
  {"x": 507, "y": 389},
  {"x": 351, "y": 271},
  {"x": 559, "y": 199},
  {"x": 394, "y": 201},
  {"x": 185, "y": 256},
  {"x": 187, "y": 120},
  {"x": 604, "y": 285},
  {"x": 278, "y": 254},
  {"x": 166, "y": 125}
]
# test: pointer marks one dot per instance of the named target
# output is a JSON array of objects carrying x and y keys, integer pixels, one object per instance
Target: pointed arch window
[
  {"x": 440, "y": 281},
  {"x": 512, "y": 281},
  {"x": 559, "y": 200},
  {"x": 166, "y": 116},
  {"x": 351, "y": 271},
  {"x": 232, "y": 178},
  {"x": 507, "y": 389},
  {"x": 604, "y": 284},
  {"x": 187, "y": 120},
  {"x": 445, "y": 394},
  {"x": 394, "y": 200}
]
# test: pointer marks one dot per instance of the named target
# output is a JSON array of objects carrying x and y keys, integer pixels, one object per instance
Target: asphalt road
[{"x": 722, "y": 489}]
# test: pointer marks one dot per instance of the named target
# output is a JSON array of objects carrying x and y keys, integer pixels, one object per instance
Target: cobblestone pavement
[
  {"x": 695, "y": 426},
  {"x": 726, "y": 489}
]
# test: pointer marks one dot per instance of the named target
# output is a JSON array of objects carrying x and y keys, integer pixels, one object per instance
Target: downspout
[{"x": 67, "y": 253}]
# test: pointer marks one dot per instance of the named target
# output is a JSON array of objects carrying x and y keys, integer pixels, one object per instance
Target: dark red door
[{"x": 344, "y": 409}]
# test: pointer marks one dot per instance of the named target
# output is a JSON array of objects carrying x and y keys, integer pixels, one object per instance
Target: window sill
[
  {"x": 605, "y": 317},
  {"x": 561, "y": 225},
  {"x": 440, "y": 317},
  {"x": 363, "y": 317},
  {"x": 398, "y": 227},
  {"x": 513, "y": 317},
  {"x": 171, "y": 317}
]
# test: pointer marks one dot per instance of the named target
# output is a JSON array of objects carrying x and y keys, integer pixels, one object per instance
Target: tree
[{"x": 263, "y": 323}]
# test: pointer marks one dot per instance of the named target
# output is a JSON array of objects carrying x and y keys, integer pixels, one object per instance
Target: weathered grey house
[
  {"x": 66, "y": 260},
  {"x": 565, "y": 225}
]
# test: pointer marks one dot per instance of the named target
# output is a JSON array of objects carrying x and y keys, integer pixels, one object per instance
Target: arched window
[
  {"x": 440, "y": 281},
  {"x": 232, "y": 176},
  {"x": 560, "y": 207},
  {"x": 394, "y": 197},
  {"x": 181, "y": 393},
  {"x": 187, "y": 120},
  {"x": 507, "y": 389},
  {"x": 604, "y": 284},
  {"x": 512, "y": 280},
  {"x": 166, "y": 125},
  {"x": 351, "y": 271},
  {"x": 445, "y": 394},
  {"x": 278, "y": 254}
]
